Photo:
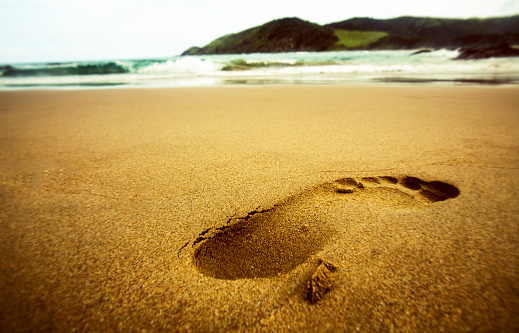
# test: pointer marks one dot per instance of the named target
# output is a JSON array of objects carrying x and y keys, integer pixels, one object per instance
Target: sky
[{"x": 75, "y": 30}]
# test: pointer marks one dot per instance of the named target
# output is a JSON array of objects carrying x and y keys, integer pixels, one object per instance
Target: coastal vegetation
[
  {"x": 296, "y": 35},
  {"x": 284, "y": 35},
  {"x": 352, "y": 39},
  {"x": 425, "y": 32}
]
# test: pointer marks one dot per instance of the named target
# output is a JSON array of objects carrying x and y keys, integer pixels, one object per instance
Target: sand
[{"x": 260, "y": 208}]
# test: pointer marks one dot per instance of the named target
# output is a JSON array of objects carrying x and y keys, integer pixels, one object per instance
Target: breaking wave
[
  {"x": 59, "y": 69},
  {"x": 297, "y": 67}
]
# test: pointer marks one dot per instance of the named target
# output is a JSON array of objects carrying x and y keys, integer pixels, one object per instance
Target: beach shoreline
[
  {"x": 308, "y": 68},
  {"x": 111, "y": 199}
]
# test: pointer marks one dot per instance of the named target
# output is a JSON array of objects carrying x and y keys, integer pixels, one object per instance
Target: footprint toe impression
[{"x": 270, "y": 242}]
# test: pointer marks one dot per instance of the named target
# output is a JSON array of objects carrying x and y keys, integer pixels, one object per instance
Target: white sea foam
[
  {"x": 183, "y": 66},
  {"x": 301, "y": 67}
]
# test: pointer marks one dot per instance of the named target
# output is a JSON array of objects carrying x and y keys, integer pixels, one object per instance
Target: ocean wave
[
  {"x": 182, "y": 66},
  {"x": 246, "y": 64},
  {"x": 315, "y": 67},
  {"x": 58, "y": 69}
]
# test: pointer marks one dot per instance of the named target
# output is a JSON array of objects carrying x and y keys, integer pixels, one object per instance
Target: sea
[{"x": 312, "y": 68}]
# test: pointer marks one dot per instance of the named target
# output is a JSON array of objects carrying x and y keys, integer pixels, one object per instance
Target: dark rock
[
  {"x": 484, "y": 52},
  {"x": 422, "y": 51}
]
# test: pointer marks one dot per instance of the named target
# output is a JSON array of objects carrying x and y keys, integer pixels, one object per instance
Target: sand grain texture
[{"x": 212, "y": 209}]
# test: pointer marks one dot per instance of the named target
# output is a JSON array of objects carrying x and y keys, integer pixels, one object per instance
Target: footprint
[{"x": 270, "y": 242}]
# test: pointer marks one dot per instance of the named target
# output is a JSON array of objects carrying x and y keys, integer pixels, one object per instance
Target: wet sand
[{"x": 260, "y": 208}]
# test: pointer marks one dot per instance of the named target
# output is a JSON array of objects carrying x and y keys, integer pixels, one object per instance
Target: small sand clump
[{"x": 321, "y": 281}]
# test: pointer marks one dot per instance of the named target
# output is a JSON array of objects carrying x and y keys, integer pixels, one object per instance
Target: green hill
[
  {"x": 295, "y": 35},
  {"x": 416, "y": 32},
  {"x": 283, "y": 35}
]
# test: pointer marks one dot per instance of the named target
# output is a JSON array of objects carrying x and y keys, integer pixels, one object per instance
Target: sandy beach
[{"x": 260, "y": 208}]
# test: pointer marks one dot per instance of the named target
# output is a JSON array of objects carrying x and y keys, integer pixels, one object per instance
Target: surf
[{"x": 365, "y": 67}]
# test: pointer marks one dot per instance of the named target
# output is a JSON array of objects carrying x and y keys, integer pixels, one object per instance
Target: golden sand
[{"x": 222, "y": 208}]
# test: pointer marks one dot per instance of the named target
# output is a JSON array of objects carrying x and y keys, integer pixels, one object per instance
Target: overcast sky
[{"x": 67, "y": 30}]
